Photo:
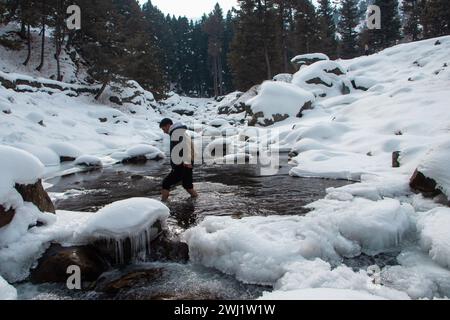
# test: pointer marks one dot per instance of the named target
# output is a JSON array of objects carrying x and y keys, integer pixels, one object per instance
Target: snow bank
[
  {"x": 125, "y": 218},
  {"x": 436, "y": 165},
  {"x": 7, "y": 292},
  {"x": 434, "y": 227},
  {"x": 258, "y": 249},
  {"x": 278, "y": 98},
  {"x": 21, "y": 245},
  {"x": 417, "y": 275}
]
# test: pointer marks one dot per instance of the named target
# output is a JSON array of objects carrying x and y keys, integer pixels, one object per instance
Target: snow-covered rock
[
  {"x": 139, "y": 153},
  {"x": 16, "y": 167},
  {"x": 239, "y": 103},
  {"x": 65, "y": 150},
  {"x": 88, "y": 161},
  {"x": 278, "y": 101},
  {"x": 123, "y": 219},
  {"x": 434, "y": 228},
  {"x": 283, "y": 77},
  {"x": 436, "y": 166},
  {"x": 259, "y": 249},
  {"x": 324, "y": 79},
  {"x": 308, "y": 59}
]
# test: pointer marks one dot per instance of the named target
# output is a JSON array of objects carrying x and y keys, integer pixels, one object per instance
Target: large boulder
[
  {"x": 324, "y": 78},
  {"x": 52, "y": 266},
  {"x": 128, "y": 92},
  {"x": 36, "y": 194},
  {"x": 278, "y": 101},
  {"x": 239, "y": 104},
  {"x": 427, "y": 186},
  {"x": 432, "y": 176},
  {"x": 124, "y": 230}
]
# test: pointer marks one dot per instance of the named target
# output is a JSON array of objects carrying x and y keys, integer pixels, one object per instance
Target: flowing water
[{"x": 225, "y": 190}]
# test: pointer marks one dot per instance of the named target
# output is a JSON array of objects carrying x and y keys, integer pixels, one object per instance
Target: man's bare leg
[
  {"x": 192, "y": 192},
  {"x": 165, "y": 194}
]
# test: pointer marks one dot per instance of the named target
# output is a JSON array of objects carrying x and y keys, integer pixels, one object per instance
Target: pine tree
[
  {"x": 227, "y": 39},
  {"x": 327, "y": 28},
  {"x": 411, "y": 11},
  {"x": 436, "y": 18},
  {"x": 44, "y": 15},
  {"x": 348, "y": 21},
  {"x": 255, "y": 55},
  {"x": 214, "y": 28},
  {"x": 389, "y": 33},
  {"x": 306, "y": 28}
]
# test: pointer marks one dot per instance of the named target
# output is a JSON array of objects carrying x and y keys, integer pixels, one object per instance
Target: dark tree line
[{"x": 220, "y": 52}]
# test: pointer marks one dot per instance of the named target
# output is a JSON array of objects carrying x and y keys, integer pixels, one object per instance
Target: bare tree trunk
[
  {"x": 43, "y": 36},
  {"x": 28, "y": 45},
  {"x": 23, "y": 29},
  {"x": 220, "y": 71},
  {"x": 269, "y": 68},
  {"x": 216, "y": 93},
  {"x": 59, "y": 38}
]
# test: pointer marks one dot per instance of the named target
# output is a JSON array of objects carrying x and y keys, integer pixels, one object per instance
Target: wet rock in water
[
  {"x": 52, "y": 266},
  {"x": 36, "y": 194},
  {"x": 6, "y": 216},
  {"x": 136, "y": 177},
  {"x": 141, "y": 159},
  {"x": 427, "y": 186},
  {"x": 135, "y": 160},
  {"x": 115, "y": 281},
  {"x": 396, "y": 159}
]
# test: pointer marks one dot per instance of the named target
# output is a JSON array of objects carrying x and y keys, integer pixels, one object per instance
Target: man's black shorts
[{"x": 177, "y": 175}]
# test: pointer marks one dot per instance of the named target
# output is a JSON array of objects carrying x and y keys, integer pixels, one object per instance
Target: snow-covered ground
[
  {"x": 348, "y": 136},
  {"x": 353, "y": 137}
]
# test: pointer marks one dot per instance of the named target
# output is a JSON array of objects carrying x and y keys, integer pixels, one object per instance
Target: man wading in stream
[{"x": 181, "y": 159}]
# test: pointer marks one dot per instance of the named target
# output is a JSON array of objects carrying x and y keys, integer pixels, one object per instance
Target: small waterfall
[{"x": 132, "y": 249}]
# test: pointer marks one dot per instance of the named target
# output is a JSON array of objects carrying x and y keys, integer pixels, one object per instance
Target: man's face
[{"x": 166, "y": 128}]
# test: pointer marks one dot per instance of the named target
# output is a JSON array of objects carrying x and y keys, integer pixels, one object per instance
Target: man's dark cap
[{"x": 165, "y": 122}]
